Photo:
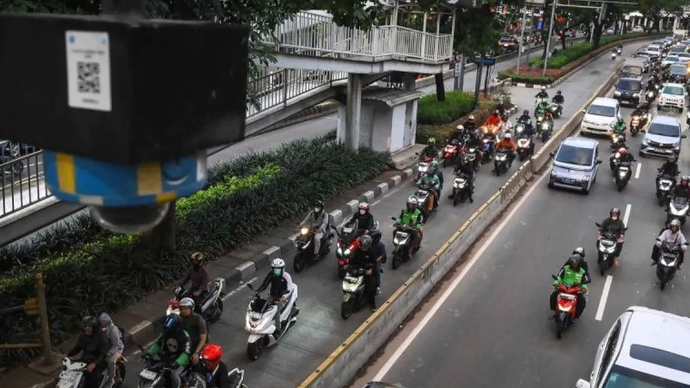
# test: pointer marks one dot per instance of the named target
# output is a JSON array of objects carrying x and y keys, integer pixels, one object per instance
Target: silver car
[
  {"x": 662, "y": 137},
  {"x": 644, "y": 348},
  {"x": 575, "y": 164}
]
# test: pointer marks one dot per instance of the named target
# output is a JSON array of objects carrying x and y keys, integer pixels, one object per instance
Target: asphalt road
[
  {"x": 320, "y": 329},
  {"x": 493, "y": 329}
]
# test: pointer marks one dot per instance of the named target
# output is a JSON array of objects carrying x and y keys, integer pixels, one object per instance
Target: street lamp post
[{"x": 548, "y": 41}]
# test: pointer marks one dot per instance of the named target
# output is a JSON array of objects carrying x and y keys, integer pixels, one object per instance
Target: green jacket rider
[
  {"x": 431, "y": 180},
  {"x": 412, "y": 216},
  {"x": 619, "y": 126},
  {"x": 571, "y": 277},
  {"x": 174, "y": 345}
]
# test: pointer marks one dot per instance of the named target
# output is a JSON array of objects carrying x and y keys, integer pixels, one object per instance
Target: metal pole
[
  {"x": 548, "y": 40},
  {"x": 461, "y": 78},
  {"x": 522, "y": 39},
  {"x": 45, "y": 326},
  {"x": 423, "y": 45}
]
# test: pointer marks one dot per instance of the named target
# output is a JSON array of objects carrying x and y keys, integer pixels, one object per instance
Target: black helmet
[
  {"x": 365, "y": 242},
  {"x": 615, "y": 210},
  {"x": 89, "y": 321},
  {"x": 173, "y": 323},
  {"x": 525, "y": 112},
  {"x": 575, "y": 260},
  {"x": 375, "y": 235},
  {"x": 558, "y": 92}
]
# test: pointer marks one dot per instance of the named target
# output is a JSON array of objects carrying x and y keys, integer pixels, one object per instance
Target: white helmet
[
  {"x": 278, "y": 265},
  {"x": 460, "y": 127},
  {"x": 187, "y": 302},
  {"x": 507, "y": 135},
  {"x": 543, "y": 87}
]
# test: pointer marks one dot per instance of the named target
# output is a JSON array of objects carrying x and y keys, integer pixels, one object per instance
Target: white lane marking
[
  {"x": 638, "y": 171},
  {"x": 626, "y": 215},
  {"x": 604, "y": 298},
  {"x": 420, "y": 326}
]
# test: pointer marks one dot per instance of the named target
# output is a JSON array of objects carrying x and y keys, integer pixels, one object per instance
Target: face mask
[
  {"x": 316, "y": 210},
  {"x": 104, "y": 328},
  {"x": 362, "y": 212},
  {"x": 277, "y": 272},
  {"x": 614, "y": 218}
]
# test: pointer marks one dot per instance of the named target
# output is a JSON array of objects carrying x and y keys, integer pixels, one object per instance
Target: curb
[{"x": 147, "y": 331}]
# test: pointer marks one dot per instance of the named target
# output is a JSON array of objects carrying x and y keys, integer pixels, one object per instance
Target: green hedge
[
  {"x": 245, "y": 199},
  {"x": 432, "y": 112},
  {"x": 528, "y": 79}
]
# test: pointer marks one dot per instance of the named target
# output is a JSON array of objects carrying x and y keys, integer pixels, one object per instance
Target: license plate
[
  {"x": 69, "y": 376},
  {"x": 347, "y": 230},
  {"x": 147, "y": 374},
  {"x": 567, "y": 180},
  {"x": 566, "y": 296}
]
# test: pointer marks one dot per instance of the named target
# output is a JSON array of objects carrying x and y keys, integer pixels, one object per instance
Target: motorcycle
[
  {"x": 305, "y": 251},
  {"x": 402, "y": 238},
  {"x": 556, "y": 110},
  {"x": 501, "y": 161},
  {"x": 566, "y": 301},
  {"x": 422, "y": 167},
  {"x": 212, "y": 306},
  {"x": 619, "y": 50},
  {"x": 347, "y": 243},
  {"x": 353, "y": 292},
  {"x": 614, "y": 55},
  {"x": 471, "y": 155},
  {"x": 623, "y": 175},
  {"x": 635, "y": 124},
  {"x": 450, "y": 152},
  {"x": 650, "y": 96},
  {"x": 618, "y": 141},
  {"x": 461, "y": 188},
  {"x": 525, "y": 146},
  {"x": 260, "y": 317},
  {"x": 678, "y": 210},
  {"x": 664, "y": 187},
  {"x": 546, "y": 129},
  {"x": 72, "y": 374},
  {"x": 488, "y": 147},
  {"x": 667, "y": 266},
  {"x": 607, "y": 244},
  {"x": 540, "y": 106},
  {"x": 424, "y": 199},
  {"x": 160, "y": 374}
]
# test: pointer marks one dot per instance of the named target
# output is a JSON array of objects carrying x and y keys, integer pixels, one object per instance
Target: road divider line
[
  {"x": 466, "y": 269},
  {"x": 604, "y": 298},
  {"x": 638, "y": 170},
  {"x": 626, "y": 215}
]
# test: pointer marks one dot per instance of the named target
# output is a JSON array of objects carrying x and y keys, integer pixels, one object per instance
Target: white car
[
  {"x": 684, "y": 57},
  {"x": 638, "y": 29},
  {"x": 672, "y": 96},
  {"x": 654, "y": 51},
  {"x": 600, "y": 116},
  {"x": 670, "y": 60},
  {"x": 644, "y": 348}
]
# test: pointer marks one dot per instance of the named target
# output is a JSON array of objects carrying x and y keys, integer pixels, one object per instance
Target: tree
[
  {"x": 477, "y": 29},
  {"x": 652, "y": 10}
]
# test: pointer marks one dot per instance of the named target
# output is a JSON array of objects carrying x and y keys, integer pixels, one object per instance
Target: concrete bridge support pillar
[{"x": 353, "y": 111}]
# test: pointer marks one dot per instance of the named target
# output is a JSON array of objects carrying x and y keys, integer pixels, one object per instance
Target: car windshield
[
  {"x": 664, "y": 130},
  {"x": 621, "y": 377},
  {"x": 684, "y": 55},
  {"x": 677, "y": 49},
  {"x": 654, "y": 49},
  {"x": 672, "y": 59},
  {"x": 629, "y": 85},
  {"x": 575, "y": 155},
  {"x": 600, "y": 110},
  {"x": 643, "y": 57},
  {"x": 674, "y": 90},
  {"x": 678, "y": 70}
]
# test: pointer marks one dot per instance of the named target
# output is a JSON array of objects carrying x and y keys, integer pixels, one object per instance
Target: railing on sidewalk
[{"x": 22, "y": 183}]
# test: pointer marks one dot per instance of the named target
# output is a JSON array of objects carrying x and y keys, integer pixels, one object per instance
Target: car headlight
[
  {"x": 616, "y": 93},
  {"x": 676, "y": 145},
  {"x": 645, "y": 142},
  {"x": 553, "y": 172}
]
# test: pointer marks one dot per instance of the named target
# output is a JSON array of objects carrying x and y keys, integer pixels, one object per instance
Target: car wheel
[
  {"x": 641, "y": 154},
  {"x": 550, "y": 184}
]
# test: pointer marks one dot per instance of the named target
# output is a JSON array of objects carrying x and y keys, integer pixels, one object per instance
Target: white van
[{"x": 600, "y": 116}]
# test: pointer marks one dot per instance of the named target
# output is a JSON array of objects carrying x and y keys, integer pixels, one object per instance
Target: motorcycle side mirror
[
  {"x": 642, "y": 130},
  {"x": 552, "y": 154},
  {"x": 554, "y": 277},
  {"x": 683, "y": 136},
  {"x": 394, "y": 219},
  {"x": 597, "y": 224},
  {"x": 249, "y": 285},
  {"x": 598, "y": 161},
  {"x": 416, "y": 153},
  {"x": 624, "y": 229}
]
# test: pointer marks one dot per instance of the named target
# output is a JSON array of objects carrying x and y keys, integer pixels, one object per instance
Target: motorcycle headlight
[
  {"x": 304, "y": 230},
  {"x": 347, "y": 252},
  {"x": 610, "y": 249},
  {"x": 636, "y": 95}
]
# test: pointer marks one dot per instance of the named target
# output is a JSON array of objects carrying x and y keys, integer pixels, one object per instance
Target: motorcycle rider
[
  {"x": 558, "y": 98},
  {"x": 682, "y": 190},
  {"x": 526, "y": 120},
  {"x": 214, "y": 370},
  {"x": 671, "y": 235},
  {"x": 435, "y": 169},
  {"x": 367, "y": 257},
  {"x": 623, "y": 156},
  {"x": 412, "y": 217},
  {"x": 317, "y": 219},
  {"x": 579, "y": 251},
  {"x": 670, "y": 168},
  {"x": 460, "y": 131},
  {"x": 364, "y": 219},
  {"x": 281, "y": 285},
  {"x": 93, "y": 346},
  {"x": 506, "y": 125},
  {"x": 508, "y": 143},
  {"x": 381, "y": 248},
  {"x": 115, "y": 349},
  {"x": 469, "y": 124},
  {"x": 195, "y": 325},
  {"x": 641, "y": 109},
  {"x": 613, "y": 224},
  {"x": 464, "y": 167},
  {"x": 494, "y": 119},
  {"x": 619, "y": 126},
  {"x": 475, "y": 142},
  {"x": 173, "y": 347},
  {"x": 198, "y": 275},
  {"x": 431, "y": 180},
  {"x": 542, "y": 93},
  {"x": 430, "y": 150},
  {"x": 570, "y": 275}
]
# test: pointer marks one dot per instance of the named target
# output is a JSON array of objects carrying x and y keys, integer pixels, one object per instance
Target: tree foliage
[{"x": 652, "y": 10}]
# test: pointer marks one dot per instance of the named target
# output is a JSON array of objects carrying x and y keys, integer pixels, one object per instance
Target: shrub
[
  {"x": 528, "y": 78},
  {"x": 432, "y": 112},
  {"x": 245, "y": 198},
  {"x": 443, "y": 132}
]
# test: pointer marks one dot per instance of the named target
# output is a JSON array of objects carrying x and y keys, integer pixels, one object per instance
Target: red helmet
[{"x": 211, "y": 355}]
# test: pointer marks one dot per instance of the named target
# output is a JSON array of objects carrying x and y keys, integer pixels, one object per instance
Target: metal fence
[{"x": 23, "y": 183}]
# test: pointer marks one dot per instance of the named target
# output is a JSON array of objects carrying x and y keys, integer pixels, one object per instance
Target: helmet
[
  {"x": 211, "y": 355},
  {"x": 504, "y": 117},
  {"x": 412, "y": 200},
  {"x": 197, "y": 258},
  {"x": 365, "y": 242},
  {"x": 616, "y": 211},
  {"x": 278, "y": 266},
  {"x": 558, "y": 93},
  {"x": 375, "y": 235},
  {"x": 675, "y": 223},
  {"x": 460, "y": 127},
  {"x": 434, "y": 163},
  {"x": 105, "y": 319},
  {"x": 543, "y": 87},
  {"x": 580, "y": 252},
  {"x": 622, "y": 151},
  {"x": 470, "y": 117},
  {"x": 432, "y": 140},
  {"x": 685, "y": 178},
  {"x": 364, "y": 206},
  {"x": 575, "y": 260},
  {"x": 89, "y": 321},
  {"x": 525, "y": 112},
  {"x": 173, "y": 323},
  {"x": 187, "y": 302},
  {"x": 496, "y": 112},
  {"x": 507, "y": 136},
  {"x": 672, "y": 159},
  {"x": 318, "y": 205}
]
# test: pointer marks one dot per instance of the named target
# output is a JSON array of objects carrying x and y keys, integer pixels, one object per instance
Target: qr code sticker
[{"x": 89, "y": 77}]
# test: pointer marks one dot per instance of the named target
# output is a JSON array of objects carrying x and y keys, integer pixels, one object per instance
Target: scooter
[
  {"x": 422, "y": 167},
  {"x": 566, "y": 301},
  {"x": 546, "y": 130},
  {"x": 556, "y": 110},
  {"x": 678, "y": 209},
  {"x": 305, "y": 250},
  {"x": 663, "y": 189},
  {"x": 525, "y": 146},
  {"x": 488, "y": 148},
  {"x": 667, "y": 266},
  {"x": 353, "y": 292},
  {"x": 259, "y": 322},
  {"x": 635, "y": 124},
  {"x": 72, "y": 374},
  {"x": 451, "y": 152},
  {"x": 501, "y": 162},
  {"x": 618, "y": 141},
  {"x": 348, "y": 242},
  {"x": 461, "y": 189},
  {"x": 212, "y": 307},
  {"x": 424, "y": 196},
  {"x": 402, "y": 238},
  {"x": 607, "y": 244},
  {"x": 623, "y": 175},
  {"x": 614, "y": 55}
]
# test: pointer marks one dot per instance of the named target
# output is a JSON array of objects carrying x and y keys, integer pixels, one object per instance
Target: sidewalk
[{"x": 143, "y": 319}]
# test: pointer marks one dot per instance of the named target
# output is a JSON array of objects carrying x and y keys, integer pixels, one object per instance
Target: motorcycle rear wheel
[
  {"x": 662, "y": 285},
  {"x": 347, "y": 308},
  {"x": 255, "y": 349}
]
